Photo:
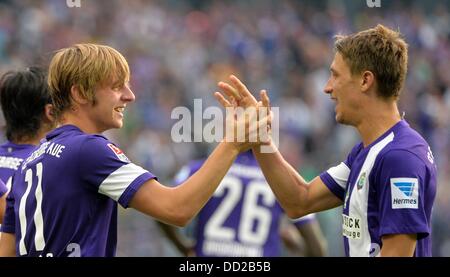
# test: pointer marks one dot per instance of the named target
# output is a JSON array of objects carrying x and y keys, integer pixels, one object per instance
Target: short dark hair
[{"x": 23, "y": 96}]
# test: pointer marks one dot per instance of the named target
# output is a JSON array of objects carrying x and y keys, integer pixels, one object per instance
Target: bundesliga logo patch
[
  {"x": 119, "y": 153},
  {"x": 405, "y": 193}
]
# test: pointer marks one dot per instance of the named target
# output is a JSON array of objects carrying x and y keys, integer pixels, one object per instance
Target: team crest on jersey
[
  {"x": 405, "y": 193},
  {"x": 361, "y": 181},
  {"x": 119, "y": 153}
]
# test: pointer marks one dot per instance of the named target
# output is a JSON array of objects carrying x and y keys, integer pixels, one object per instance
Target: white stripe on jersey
[
  {"x": 117, "y": 182},
  {"x": 340, "y": 174},
  {"x": 358, "y": 203}
]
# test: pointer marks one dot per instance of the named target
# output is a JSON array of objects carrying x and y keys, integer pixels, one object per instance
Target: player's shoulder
[
  {"x": 356, "y": 150},
  {"x": 102, "y": 147},
  {"x": 83, "y": 144},
  {"x": 408, "y": 137},
  {"x": 406, "y": 159},
  {"x": 16, "y": 150},
  {"x": 407, "y": 146},
  {"x": 94, "y": 140},
  {"x": 71, "y": 134}
]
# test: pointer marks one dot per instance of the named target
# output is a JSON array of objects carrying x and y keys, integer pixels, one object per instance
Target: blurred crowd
[{"x": 179, "y": 50}]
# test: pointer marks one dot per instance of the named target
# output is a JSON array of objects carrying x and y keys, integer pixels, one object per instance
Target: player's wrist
[
  {"x": 231, "y": 147},
  {"x": 264, "y": 148}
]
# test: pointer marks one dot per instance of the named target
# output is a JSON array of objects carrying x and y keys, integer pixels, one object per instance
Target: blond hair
[
  {"x": 85, "y": 66},
  {"x": 379, "y": 50}
]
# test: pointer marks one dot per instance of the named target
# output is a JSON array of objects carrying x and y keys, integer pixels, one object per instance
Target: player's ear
[
  {"x": 367, "y": 80},
  {"x": 77, "y": 96},
  {"x": 49, "y": 113}
]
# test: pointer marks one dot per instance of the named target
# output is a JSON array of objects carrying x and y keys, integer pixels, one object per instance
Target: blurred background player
[
  {"x": 26, "y": 106},
  {"x": 244, "y": 219}
]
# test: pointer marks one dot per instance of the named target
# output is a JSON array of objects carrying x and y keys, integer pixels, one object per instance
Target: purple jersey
[
  {"x": 63, "y": 197},
  {"x": 11, "y": 156},
  {"x": 243, "y": 217},
  {"x": 387, "y": 187}
]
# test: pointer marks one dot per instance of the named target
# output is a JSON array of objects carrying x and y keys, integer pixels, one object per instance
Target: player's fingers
[
  {"x": 265, "y": 98},
  {"x": 242, "y": 89},
  {"x": 233, "y": 101},
  {"x": 222, "y": 100},
  {"x": 229, "y": 90},
  {"x": 264, "y": 129}
]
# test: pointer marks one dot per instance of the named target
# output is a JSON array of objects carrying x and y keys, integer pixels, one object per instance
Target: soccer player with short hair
[
  {"x": 64, "y": 196},
  {"x": 387, "y": 184},
  {"x": 26, "y": 106},
  {"x": 243, "y": 218}
]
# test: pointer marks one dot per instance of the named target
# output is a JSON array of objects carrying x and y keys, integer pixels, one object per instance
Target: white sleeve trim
[
  {"x": 340, "y": 174},
  {"x": 118, "y": 181}
]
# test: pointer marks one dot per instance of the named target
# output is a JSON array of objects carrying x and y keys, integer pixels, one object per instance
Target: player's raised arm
[{"x": 180, "y": 204}]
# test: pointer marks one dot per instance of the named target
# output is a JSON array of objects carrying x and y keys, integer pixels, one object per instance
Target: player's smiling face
[
  {"x": 109, "y": 106},
  {"x": 344, "y": 90}
]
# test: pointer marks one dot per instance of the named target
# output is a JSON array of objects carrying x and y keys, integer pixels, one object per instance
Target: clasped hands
[{"x": 248, "y": 121}]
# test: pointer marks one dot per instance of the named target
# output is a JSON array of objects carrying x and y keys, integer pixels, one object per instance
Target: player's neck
[
  {"x": 377, "y": 121},
  {"x": 32, "y": 140},
  {"x": 79, "y": 120}
]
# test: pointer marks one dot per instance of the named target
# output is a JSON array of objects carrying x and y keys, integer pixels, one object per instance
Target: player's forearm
[
  {"x": 196, "y": 191},
  {"x": 289, "y": 187}
]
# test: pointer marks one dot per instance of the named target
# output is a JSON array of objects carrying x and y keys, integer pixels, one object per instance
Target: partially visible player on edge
[
  {"x": 387, "y": 184},
  {"x": 26, "y": 106},
  {"x": 243, "y": 218},
  {"x": 63, "y": 200}
]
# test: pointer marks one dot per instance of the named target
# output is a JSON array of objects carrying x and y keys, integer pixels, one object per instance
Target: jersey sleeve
[
  {"x": 9, "y": 220},
  {"x": 401, "y": 194},
  {"x": 336, "y": 177},
  {"x": 107, "y": 170}
]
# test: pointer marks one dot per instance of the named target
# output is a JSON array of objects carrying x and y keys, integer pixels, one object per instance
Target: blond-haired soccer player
[
  {"x": 64, "y": 196},
  {"x": 387, "y": 184}
]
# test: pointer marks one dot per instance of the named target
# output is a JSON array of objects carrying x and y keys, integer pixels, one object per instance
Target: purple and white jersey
[
  {"x": 242, "y": 219},
  {"x": 63, "y": 197},
  {"x": 11, "y": 156},
  {"x": 387, "y": 187}
]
